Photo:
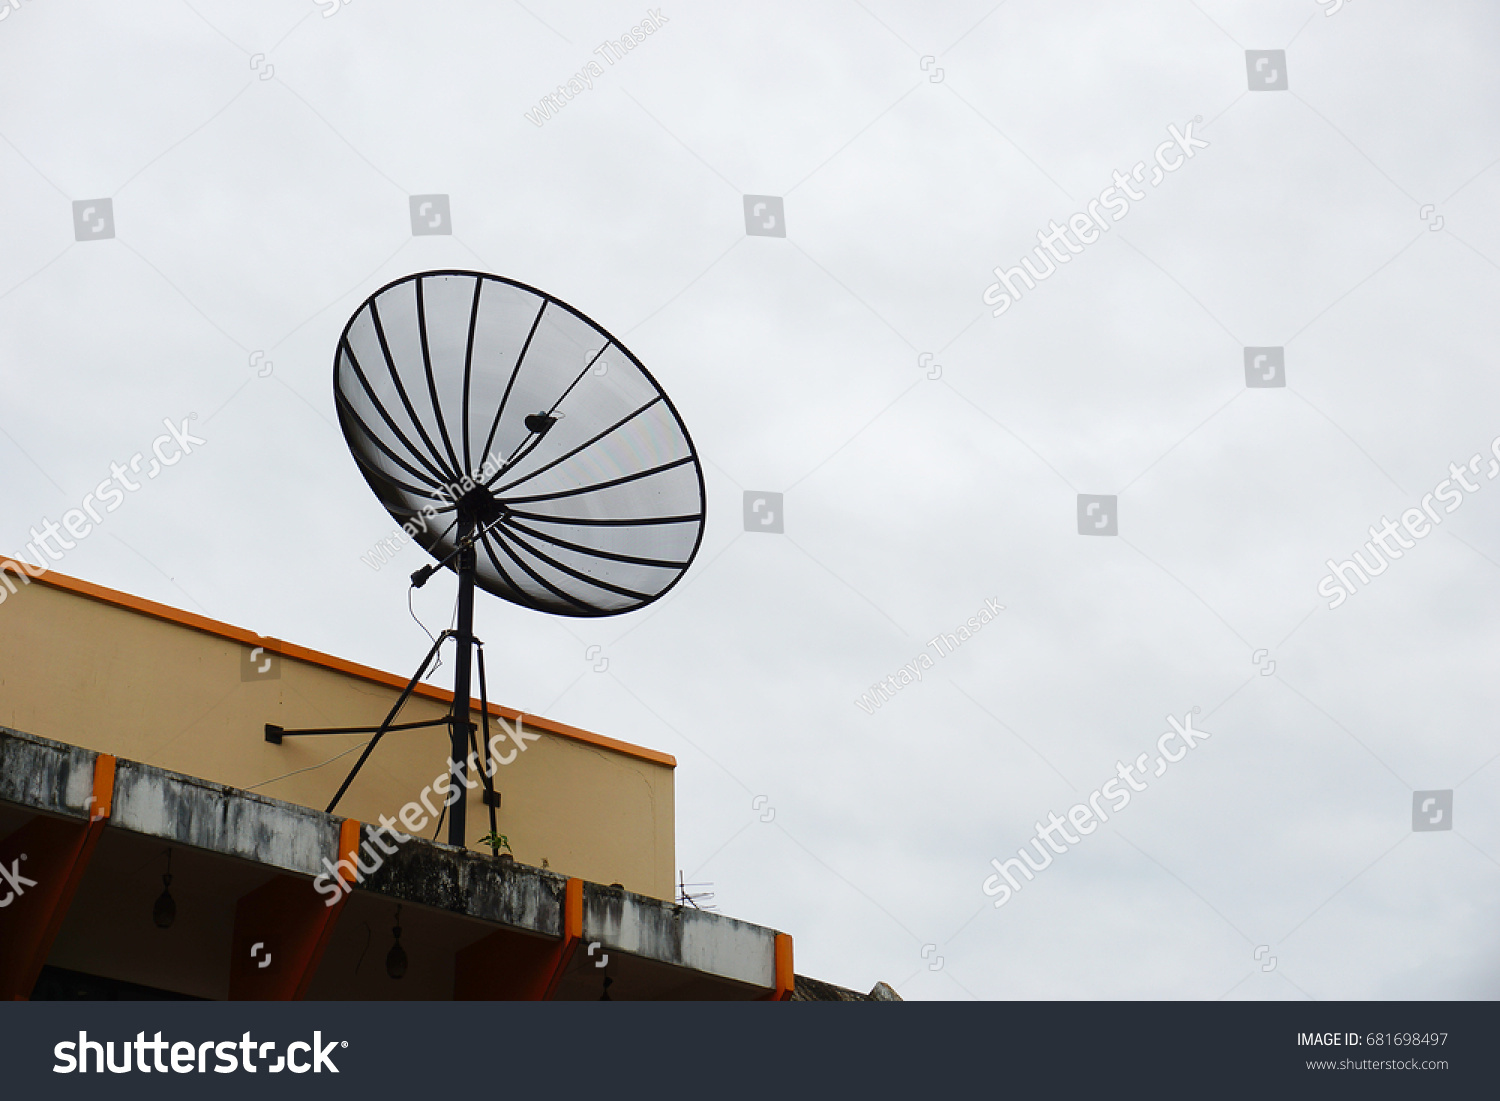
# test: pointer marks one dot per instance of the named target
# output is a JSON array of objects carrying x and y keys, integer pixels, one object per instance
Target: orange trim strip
[
  {"x": 571, "y": 938},
  {"x": 573, "y": 910},
  {"x": 786, "y": 978},
  {"x": 349, "y": 839},
  {"x": 104, "y": 788},
  {"x": 327, "y": 661},
  {"x": 350, "y": 836}
]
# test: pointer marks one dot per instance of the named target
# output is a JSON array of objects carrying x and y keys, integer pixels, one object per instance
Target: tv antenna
[
  {"x": 532, "y": 454},
  {"x": 686, "y": 897}
]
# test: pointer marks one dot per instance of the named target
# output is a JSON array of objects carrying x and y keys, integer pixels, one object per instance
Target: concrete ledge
[
  {"x": 194, "y": 812},
  {"x": 54, "y": 778},
  {"x": 45, "y": 776},
  {"x": 48, "y": 777},
  {"x": 462, "y": 882},
  {"x": 679, "y": 935}
]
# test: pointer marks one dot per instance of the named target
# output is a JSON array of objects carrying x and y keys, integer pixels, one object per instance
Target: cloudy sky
[{"x": 195, "y": 197}]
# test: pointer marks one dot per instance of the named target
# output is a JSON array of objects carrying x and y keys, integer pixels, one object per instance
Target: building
[{"x": 162, "y": 837}]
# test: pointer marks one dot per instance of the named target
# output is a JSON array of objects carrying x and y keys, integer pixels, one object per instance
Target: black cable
[{"x": 431, "y": 637}]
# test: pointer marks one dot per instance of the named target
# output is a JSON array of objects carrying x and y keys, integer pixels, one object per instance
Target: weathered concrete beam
[
  {"x": 431, "y": 874},
  {"x": 54, "y": 778},
  {"x": 193, "y": 812},
  {"x": 679, "y": 935},
  {"x": 45, "y": 776}
]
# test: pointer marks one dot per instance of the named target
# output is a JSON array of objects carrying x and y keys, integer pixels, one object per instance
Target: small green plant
[{"x": 496, "y": 842}]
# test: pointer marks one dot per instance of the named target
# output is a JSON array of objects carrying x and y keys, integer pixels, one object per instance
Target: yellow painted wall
[{"x": 91, "y": 673}]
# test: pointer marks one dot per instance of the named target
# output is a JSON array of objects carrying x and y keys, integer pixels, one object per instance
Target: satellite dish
[
  {"x": 530, "y": 452},
  {"x": 478, "y": 404}
]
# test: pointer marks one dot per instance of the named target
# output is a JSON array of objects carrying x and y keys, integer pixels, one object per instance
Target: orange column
[
  {"x": 572, "y": 934},
  {"x": 786, "y": 978},
  {"x": 281, "y": 929},
  {"x": 54, "y": 852},
  {"x": 509, "y": 966}
]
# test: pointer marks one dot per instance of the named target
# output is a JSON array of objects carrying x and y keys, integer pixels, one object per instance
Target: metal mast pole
[{"x": 459, "y": 742}]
